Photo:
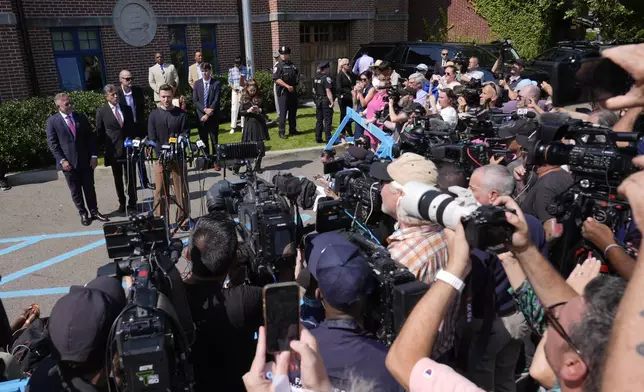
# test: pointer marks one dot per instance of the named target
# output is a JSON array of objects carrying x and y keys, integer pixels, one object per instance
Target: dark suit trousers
[
  {"x": 80, "y": 181},
  {"x": 121, "y": 175},
  {"x": 209, "y": 129}
]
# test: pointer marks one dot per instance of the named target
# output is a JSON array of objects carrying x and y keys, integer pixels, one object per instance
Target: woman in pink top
[{"x": 377, "y": 103}]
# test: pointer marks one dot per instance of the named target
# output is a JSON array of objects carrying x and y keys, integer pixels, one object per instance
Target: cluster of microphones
[{"x": 178, "y": 148}]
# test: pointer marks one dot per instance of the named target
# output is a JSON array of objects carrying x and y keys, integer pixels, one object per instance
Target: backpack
[{"x": 32, "y": 346}]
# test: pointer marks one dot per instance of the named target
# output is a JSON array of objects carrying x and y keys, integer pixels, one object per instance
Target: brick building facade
[{"x": 74, "y": 45}]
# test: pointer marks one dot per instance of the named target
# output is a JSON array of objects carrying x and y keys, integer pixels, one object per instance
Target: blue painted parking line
[
  {"x": 18, "y": 246},
  {"x": 52, "y": 261},
  {"x": 51, "y": 236},
  {"x": 34, "y": 292}
]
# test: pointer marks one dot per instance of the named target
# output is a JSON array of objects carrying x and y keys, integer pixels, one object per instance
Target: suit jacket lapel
[{"x": 66, "y": 127}]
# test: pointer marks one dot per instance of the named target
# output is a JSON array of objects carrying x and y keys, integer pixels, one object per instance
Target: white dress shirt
[{"x": 117, "y": 108}]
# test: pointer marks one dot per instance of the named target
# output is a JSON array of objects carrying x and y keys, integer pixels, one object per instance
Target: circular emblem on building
[{"x": 134, "y": 21}]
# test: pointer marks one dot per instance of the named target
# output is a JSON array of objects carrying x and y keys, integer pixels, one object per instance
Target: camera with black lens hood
[{"x": 154, "y": 332}]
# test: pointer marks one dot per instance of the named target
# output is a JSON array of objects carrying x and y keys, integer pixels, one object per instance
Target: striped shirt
[{"x": 423, "y": 250}]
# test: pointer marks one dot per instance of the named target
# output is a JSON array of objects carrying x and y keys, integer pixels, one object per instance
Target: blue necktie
[{"x": 205, "y": 93}]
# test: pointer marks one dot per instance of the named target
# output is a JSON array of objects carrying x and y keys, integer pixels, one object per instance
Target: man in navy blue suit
[
  {"x": 73, "y": 143},
  {"x": 205, "y": 95}
]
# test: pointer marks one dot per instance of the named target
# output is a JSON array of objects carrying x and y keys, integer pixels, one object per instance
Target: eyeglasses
[
  {"x": 554, "y": 323},
  {"x": 127, "y": 79},
  {"x": 448, "y": 74},
  {"x": 443, "y": 54},
  {"x": 364, "y": 79}
]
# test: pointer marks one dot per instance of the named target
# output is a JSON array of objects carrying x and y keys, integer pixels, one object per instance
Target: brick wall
[
  {"x": 390, "y": 31},
  {"x": 360, "y": 32},
  {"x": 14, "y": 83},
  {"x": 287, "y": 6},
  {"x": 42, "y": 50},
  {"x": 287, "y": 34},
  {"x": 263, "y": 46},
  {"x": 6, "y": 6},
  {"x": 467, "y": 23},
  {"x": 227, "y": 46}
]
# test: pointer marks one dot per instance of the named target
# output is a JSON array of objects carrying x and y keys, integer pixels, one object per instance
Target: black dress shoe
[
  {"x": 121, "y": 209},
  {"x": 283, "y": 136},
  {"x": 294, "y": 133},
  {"x": 85, "y": 220},
  {"x": 98, "y": 216}
]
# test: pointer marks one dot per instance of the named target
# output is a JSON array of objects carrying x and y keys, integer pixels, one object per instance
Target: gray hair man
[
  {"x": 495, "y": 349},
  {"x": 419, "y": 245},
  {"x": 417, "y": 81}
]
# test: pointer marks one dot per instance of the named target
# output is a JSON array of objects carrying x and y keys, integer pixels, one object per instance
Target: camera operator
[
  {"x": 416, "y": 83},
  {"x": 498, "y": 327},
  {"x": 528, "y": 96},
  {"x": 449, "y": 79},
  {"x": 472, "y": 71},
  {"x": 518, "y": 133},
  {"x": 344, "y": 282},
  {"x": 78, "y": 330},
  {"x": 419, "y": 245},
  {"x": 226, "y": 319},
  {"x": 604, "y": 239},
  {"x": 551, "y": 181},
  {"x": 445, "y": 106},
  {"x": 510, "y": 83},
  {"x": 491, "y": 97}
]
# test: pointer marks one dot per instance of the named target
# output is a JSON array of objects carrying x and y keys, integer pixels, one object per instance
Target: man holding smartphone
[{"x": 344, "y": 284}]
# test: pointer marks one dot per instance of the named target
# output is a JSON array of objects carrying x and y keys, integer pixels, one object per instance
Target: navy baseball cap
[
  {"x": 324, "y": 64},
  {"x": 342, "y": 273},
  {"x": 81, "y": 320}
]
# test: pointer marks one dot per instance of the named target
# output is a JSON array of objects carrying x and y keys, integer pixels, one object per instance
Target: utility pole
[
  {"x": 248, "y": 37},
  {"x": 240, "y": 25}
]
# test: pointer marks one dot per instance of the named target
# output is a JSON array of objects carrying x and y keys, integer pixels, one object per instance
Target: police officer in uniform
[
  {"x": 323, "y": 97},
  {"x": 286, "y": 76}
]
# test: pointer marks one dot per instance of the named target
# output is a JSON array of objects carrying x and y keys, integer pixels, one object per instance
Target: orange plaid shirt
[{"x": 423, "y": 250}]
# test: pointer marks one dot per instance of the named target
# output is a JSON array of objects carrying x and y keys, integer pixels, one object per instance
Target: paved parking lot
[{"x": 44, "y": 249}]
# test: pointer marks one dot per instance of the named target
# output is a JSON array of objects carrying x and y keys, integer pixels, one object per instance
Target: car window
[
  {"x": 547, "y": 55},
  {"x": 422, "y": 54},
  {"x": 397, "y": 55},
  {"x": 486, "y": 59},
  {"x": 377, "y": 52},
  {"x": 564, "y": 55}
]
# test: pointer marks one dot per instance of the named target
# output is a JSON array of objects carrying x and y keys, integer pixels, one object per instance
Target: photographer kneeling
[
  {"x": 419, "y": 245},
  {"x": 78, "y": 329},
  {"x": 226, "y": 319}
]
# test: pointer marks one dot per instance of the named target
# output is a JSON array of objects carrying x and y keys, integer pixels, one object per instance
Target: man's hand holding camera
[{"x": 521, "y": 237}]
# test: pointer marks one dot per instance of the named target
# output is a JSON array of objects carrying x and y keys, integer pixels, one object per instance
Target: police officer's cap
[
  {"x": 324, "y": 64},
  {"x": 285, "y": 50}
]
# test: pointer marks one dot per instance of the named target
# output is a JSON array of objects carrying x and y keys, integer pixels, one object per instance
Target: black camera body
[
  {"x": 487, "y": 228},
  {"x": 154, "y": 332},
  {"x": 396, "y": 291},
  {"x": 360, "y": 195}
]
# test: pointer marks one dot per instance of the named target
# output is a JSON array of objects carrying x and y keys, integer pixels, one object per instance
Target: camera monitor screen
[{"x": 281, "y": 315}]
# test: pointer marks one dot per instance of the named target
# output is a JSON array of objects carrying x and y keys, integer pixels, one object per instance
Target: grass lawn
[{"x": 305, "y": 124}]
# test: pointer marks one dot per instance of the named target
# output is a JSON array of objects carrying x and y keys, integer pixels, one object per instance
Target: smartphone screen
[
  {"x": 281, "y": 315},
  {"x": 592, "y": 79}
]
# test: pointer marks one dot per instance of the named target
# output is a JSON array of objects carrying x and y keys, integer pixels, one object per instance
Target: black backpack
[{"x": 32, "y": 346}]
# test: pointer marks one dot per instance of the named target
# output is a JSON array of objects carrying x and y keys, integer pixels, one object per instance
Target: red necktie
[
  {"x": 118, "y": 116},
  {"x": 71, "y": 125}
]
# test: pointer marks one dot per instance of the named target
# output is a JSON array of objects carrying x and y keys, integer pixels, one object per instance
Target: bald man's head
[
  {"x": 531, "y": 91},
  {"x": 125, "y": 78}
]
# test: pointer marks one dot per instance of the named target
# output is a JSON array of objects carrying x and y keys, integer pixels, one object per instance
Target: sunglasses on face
[
  {"x": 127, "y": 79},
  {"x": 364, "y": 79},
  {"x": 552, "y": 321},
  {"x": 443, "y": 54},
  {"x": 448, "y": 74}
]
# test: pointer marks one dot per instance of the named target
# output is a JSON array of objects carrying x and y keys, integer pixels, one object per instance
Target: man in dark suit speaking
[
  {"x": 132, "y": 96},
  {"x": 115, "y": 123},
  {"x": 205, "y": 95},
  {"x": 72, "y": 142}
]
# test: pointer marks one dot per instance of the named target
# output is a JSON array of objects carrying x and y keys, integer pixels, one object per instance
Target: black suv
[
  {"x": 407, "y": 55},
  {"x": 377, "y": 50},
  {"x": 565, "y": 51}
]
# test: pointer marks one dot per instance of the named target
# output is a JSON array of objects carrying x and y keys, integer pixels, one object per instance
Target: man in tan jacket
[
  {"x": 194, "y": 72},
  {"x": 160, "y": 74}
]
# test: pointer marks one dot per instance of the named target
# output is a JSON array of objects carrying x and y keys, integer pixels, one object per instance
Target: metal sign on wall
[{"x": 135, "y": 21}]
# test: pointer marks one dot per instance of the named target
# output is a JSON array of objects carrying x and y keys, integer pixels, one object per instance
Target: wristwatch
[{"x": 451, "y": 280}]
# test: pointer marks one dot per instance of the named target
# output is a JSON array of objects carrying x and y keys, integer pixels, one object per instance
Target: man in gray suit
[
  {"x": 205, "y": 95},
  {"x": 160, "y": 74},
  {"x": 73, "y": 143}
]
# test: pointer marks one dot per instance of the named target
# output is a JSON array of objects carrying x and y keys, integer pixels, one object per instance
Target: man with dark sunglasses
[{"x": 579, "y": 327}]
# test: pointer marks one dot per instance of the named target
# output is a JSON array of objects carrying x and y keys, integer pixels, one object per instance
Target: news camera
[
  {"x": 154, "y": 332},
  {"x": 267, "y": 209},
  {"x": 597, "y": 165}
]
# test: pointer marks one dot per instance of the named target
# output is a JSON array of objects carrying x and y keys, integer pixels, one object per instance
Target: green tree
[{"x": 616, "y": 19}]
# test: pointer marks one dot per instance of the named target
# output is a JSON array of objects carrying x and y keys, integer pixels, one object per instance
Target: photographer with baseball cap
[
  {"x": 344, "y": 282},
  {"x": 78, "y": 328},
  {"x": 419, "y": 245}
]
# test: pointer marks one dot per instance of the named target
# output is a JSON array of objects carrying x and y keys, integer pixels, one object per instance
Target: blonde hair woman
[{"x": 344, "y": 82}]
